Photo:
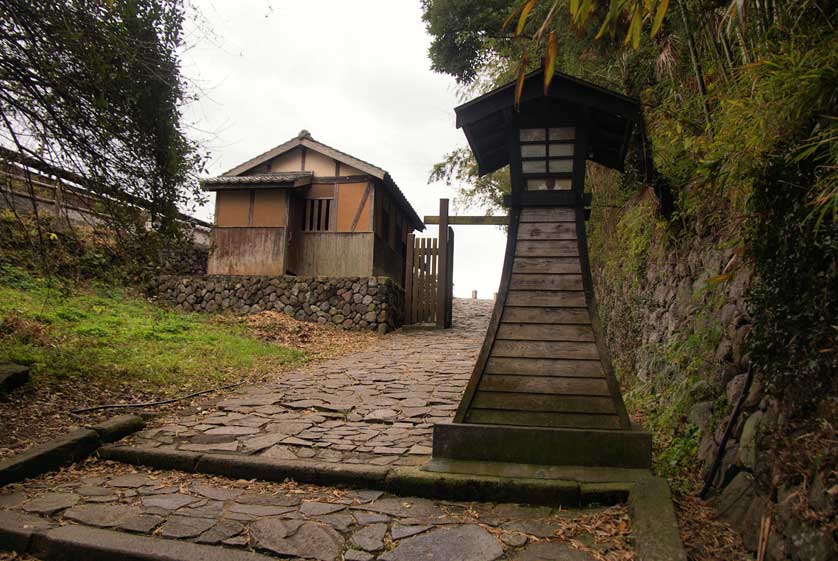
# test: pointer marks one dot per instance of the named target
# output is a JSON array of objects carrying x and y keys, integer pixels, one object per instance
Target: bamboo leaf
[
  {"x": 509, "y": 19},
  {"x": 629, "y": 32},
  {"x": 550, "y": 65},
  {"x": 585, "y": 10},
  {"x": 547, "y": 21},
  {"x": 661, "y": 12},
  {"x": 636, "y": 26},
  {"x": 574, "y": 8},
  {"x": 525, "y": 12},
  {"x": 605, "y": 25},
  {"x": 519, "y": 86}
]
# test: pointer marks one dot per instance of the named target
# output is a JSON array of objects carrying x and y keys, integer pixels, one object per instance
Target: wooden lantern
[{"x": 543, "y": 390}]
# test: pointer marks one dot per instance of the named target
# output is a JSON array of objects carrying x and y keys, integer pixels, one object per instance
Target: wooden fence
[{"x": 423, "y": 289}]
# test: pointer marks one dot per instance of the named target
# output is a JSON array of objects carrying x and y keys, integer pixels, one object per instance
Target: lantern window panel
[
  {"x": 534, "y": 166},
  {"x": 533, "y": 135},
  {"x": 560, "y": 166},
  {"x": 547, "y": 150},
  {"x": 561, "y": 150},
  {"x": 549, "y": 184},
  {"x": 562, "y": 133},
  {"x": 533, "y": 151}
]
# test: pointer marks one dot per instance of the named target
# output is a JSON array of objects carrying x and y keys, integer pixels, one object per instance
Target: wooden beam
[
  {"x": 360, "y": 208},
  {"x": 442, "y": 276},
  {"x": 408, "y": 280},
  {"x": 471, "y": 220}
]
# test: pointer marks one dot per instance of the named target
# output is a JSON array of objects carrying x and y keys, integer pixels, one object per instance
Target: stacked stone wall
[
  {"x": 372, "y": 303},
  {"x": 185, "y": 259},
  {"x": 681, "y": 325}
]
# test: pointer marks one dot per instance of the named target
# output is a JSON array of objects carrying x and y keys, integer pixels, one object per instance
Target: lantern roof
[{"x": 487, "y": 120}]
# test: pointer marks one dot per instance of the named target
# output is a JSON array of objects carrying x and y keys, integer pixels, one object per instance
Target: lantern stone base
[{"x": 543, "y": 446}]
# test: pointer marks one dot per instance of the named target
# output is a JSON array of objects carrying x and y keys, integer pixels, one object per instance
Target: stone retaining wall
[
  {"x": 374, "y": 303},
  {"x": 676, "y": 300},
  {"x": 186, "y": 259}
]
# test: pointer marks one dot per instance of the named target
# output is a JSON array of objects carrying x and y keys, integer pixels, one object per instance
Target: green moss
[{"x": 106, "y": 335}]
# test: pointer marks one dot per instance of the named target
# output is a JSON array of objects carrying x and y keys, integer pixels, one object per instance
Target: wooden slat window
[{"x": 317, "y": 215}]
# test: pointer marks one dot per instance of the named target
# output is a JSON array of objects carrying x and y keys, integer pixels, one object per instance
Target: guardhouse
[{"x": 304, "y": 208}]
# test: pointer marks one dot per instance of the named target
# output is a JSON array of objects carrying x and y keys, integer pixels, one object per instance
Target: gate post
[
  {"x": 442, "y": 276},
  {"x": 449, "y": 282},
  {"x": 408, "y": 280}
]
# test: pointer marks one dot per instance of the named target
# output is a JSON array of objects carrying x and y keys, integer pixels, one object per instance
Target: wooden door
[
  {"x": 424, "y": 285},
  {"x": 294, "y": 236},
  {"x": 421, "y": 279}
]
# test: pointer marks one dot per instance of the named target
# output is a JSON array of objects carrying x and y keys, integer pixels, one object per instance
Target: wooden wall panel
[
  {"x": 542, "y": 419},
  {"x": 247, "y": 251},
  {"x": 350, "y": 196},
  {"x": 543, "y": 231},
  {"x": 541, "y": 363},
  {"x": 270, "y": 207},
  {"x": 544, "y": 367},
  {"x": 546, "y": 298},
  {"x": 540, "y": 402},
  {"x": 289, "y": 161},
  {"x": 349, "y": 170},
  {"x": 233, "y": 208},
  {"x": 335, "y": 254},
  {"x": 321, "y": 191},
  {"x": 322, "y": 166}
]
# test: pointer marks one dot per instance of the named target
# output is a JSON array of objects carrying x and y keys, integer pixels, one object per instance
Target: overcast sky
[{"x": 356, "y": 75}]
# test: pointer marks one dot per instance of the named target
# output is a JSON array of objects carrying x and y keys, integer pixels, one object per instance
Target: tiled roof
[
  {"x": 285, "y": 179},
  {"x": 233, "y": 176}
]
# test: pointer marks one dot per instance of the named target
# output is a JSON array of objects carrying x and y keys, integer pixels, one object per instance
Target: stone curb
[
  {"x": 403, "y": 481},
  {"x": 249, "y": 467},
  {"x": 650, "y": 503},
  {"x": 34, "y": 535},
  {"x": 653, "y": 522},
  {"x": 300, "y": 470},
  {"x": 66, "y": 449},
  {"x": 16, "y": 530},
  {"x": 417, "y": 483},
  {"x": 118, "y": 427}
]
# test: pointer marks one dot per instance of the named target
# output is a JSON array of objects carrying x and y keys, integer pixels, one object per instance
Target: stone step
[{"x": 108, "y": 511}]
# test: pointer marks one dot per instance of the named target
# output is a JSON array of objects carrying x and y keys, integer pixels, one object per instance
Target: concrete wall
[{"x": 373, "y": 303}]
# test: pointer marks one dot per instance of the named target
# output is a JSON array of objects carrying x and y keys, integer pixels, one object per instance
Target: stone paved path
[
  {"x": 312, "y": 522},
  {"x": 377, "y": 406}
]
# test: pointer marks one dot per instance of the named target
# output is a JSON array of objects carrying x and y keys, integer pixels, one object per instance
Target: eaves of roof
[{"x": 264, "y": 181}]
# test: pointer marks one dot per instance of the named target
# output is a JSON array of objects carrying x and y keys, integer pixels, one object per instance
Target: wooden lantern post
[{"x": 543, "y": 390}]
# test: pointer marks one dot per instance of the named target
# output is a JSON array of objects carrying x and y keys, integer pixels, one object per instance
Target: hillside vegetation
[{"x": 716, "y": 252}]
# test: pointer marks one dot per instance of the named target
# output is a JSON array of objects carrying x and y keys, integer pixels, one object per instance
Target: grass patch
[{"x": 102, "y": 334}]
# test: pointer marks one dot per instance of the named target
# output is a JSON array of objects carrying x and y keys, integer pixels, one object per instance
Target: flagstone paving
[
  {"x": 377, "y": 406},
  {"x": 295, "y": 521}
]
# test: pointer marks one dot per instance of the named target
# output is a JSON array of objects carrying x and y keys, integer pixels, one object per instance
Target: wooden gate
[{"x": 427, "y": 300}]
